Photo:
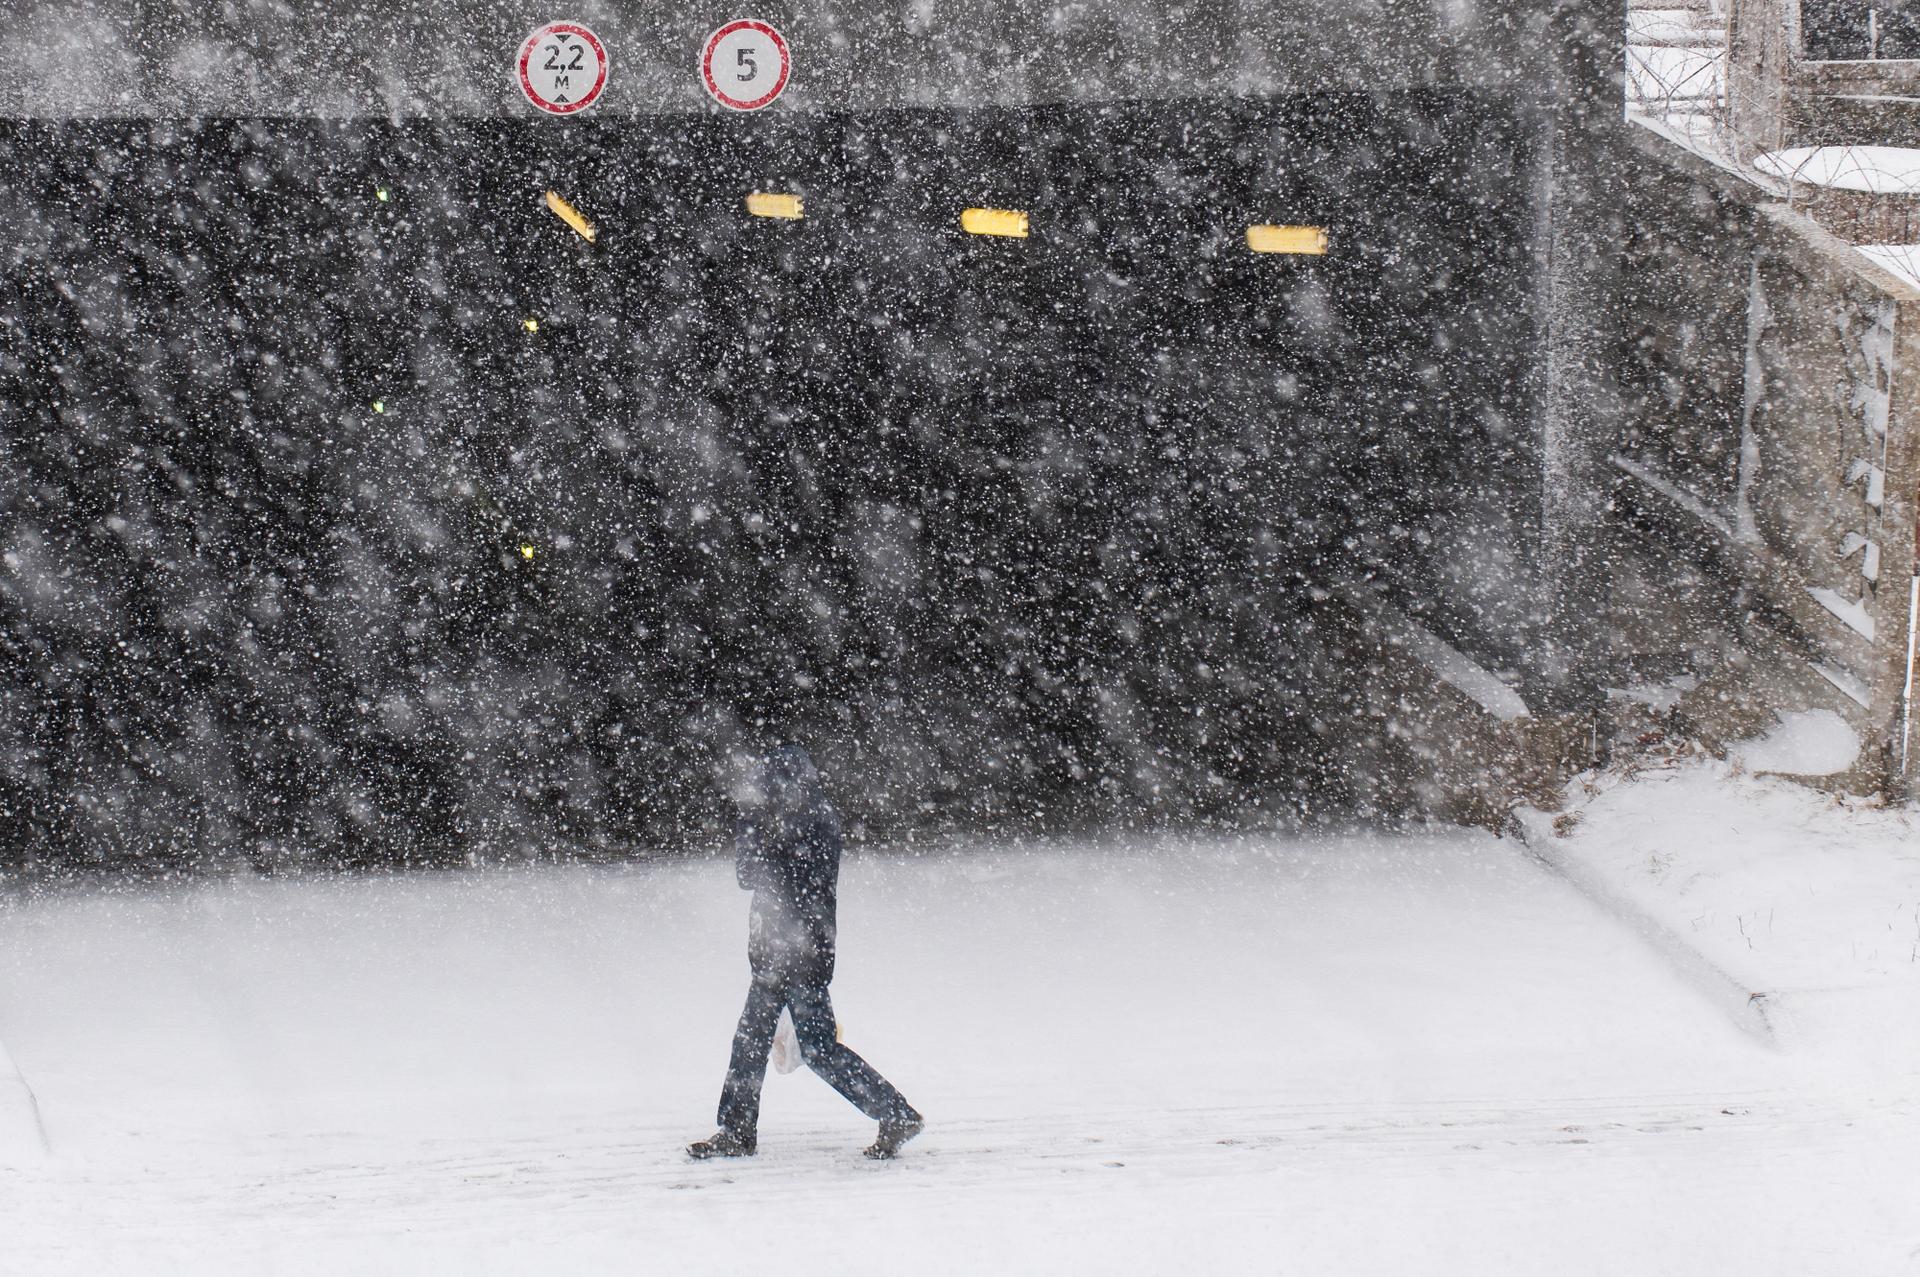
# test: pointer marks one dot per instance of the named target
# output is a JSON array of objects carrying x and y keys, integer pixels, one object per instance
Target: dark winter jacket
[{"x": 787, "y": 853}]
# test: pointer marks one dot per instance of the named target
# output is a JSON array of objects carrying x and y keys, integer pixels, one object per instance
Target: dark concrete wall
[
  {"x": 1283, "y": 423},
  {"x": 1013, "y": 531}
]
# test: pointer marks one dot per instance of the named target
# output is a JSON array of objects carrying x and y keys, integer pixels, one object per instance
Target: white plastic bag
[{"x": 786, "y": 1047}]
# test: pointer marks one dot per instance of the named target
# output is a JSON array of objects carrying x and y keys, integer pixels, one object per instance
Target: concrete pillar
[{"x": 1582, "y": 242}]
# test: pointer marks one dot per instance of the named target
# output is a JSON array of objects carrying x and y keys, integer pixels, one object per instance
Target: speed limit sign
[
  {"x": 562, "y": 67},
  {"x": 745, "y": 64}
]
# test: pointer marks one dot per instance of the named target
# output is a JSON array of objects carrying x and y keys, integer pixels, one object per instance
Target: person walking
[{"x": 787, "y": 853}]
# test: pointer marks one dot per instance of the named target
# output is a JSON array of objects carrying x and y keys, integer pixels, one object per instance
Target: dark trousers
[{"x": 813, "y": 1025}]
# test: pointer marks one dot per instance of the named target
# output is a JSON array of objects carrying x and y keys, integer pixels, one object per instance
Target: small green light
[
  {"x": 382, "y": 194},
  {"x": 526, "y": 552},
  {"x": 379, "y": 405}
]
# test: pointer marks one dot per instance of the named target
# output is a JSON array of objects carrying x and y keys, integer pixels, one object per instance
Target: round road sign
[
  {"x": 562, "y": 68},
  {"x": 745, "y": 64}
]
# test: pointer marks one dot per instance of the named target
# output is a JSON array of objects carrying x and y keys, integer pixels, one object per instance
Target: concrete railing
[
  {"x": 1789, "y": 491},
  {"x": 1827, "y": 496}
]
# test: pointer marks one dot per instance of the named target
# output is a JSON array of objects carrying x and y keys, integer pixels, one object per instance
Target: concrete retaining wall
[{"x": 1778, "y": 508}]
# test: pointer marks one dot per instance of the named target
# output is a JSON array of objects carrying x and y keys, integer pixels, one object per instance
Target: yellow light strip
[
  {"x": 1308, "y": 240},
  {"x": 571, "y": 216},
  {"x": 1010, "y": 223},
  {"x": 788, "y": 208}
]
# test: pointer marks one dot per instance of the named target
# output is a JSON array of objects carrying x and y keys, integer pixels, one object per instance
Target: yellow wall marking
[
  {"x": 1010, "y": 223},
  {"x": 1310, "y": 240},
  {"x": 571, "y": 216},
  {"x": 776, "y": 204}
]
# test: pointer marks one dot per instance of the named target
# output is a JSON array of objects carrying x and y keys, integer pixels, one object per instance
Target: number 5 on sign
[{"x": 745, "y": 64}]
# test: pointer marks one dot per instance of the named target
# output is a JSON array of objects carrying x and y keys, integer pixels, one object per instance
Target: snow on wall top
[
  {"x": 1879, "y": 170},
  {"x": 404, "y": 58}
]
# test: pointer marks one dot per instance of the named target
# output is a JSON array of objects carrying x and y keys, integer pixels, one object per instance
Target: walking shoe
[
  {"x": 895, "y": 1131},
  {"x": 722, "y": 1144}
]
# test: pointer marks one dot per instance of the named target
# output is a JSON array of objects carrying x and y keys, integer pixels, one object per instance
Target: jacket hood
[{"x": 785, "y": 782}]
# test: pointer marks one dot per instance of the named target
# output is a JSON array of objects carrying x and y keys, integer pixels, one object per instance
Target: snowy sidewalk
[
  {"x": 1362, "y": 1054},
  {"x": 1809, "y": 900}
]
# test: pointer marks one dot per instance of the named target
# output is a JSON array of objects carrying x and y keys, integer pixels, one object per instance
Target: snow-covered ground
[
  {"x": 1812, "y": 901},
  {"x": 1370, "y": 1053}
]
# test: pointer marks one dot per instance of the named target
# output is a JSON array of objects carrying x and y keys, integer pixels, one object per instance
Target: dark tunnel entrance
[{"x": 459, "y": 535}]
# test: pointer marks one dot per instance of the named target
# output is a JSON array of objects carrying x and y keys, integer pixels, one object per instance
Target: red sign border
[
  {"x": 706, "y": 64},
  {"x": 526, "y": 83}
]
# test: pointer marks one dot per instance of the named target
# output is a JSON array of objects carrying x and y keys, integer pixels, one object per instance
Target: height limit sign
[
  {"x": 562, "y": 67},
  {"x": 745, "y": 65}
]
